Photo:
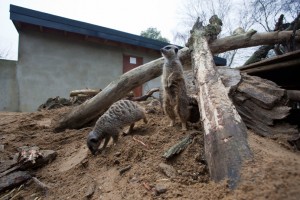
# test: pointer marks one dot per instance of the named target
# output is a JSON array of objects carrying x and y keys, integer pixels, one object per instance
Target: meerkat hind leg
[
  {"x": 170, "y": 112},
  {"x": 183, "y": 126},
  {"x": 115, "y": 138},
  {"x": 145, "y": 120}
]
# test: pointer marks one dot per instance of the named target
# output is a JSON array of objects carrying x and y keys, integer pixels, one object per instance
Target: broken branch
[
  {"x": 144, "y": 97},
  {"x": 179, "y": 147},
  {"x": 139, "y": 141}
]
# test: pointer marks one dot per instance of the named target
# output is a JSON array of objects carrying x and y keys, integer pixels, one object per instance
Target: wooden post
[{"x": 225, "y": 136}]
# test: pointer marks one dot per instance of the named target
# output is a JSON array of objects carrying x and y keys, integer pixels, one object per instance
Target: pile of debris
[{"x": 17, "y": 171}]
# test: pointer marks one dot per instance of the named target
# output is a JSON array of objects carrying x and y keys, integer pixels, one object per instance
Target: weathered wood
[
  {"x": 273, "y": 66},
  {"x": 117, "y": 89},
  {"x": 251, "y": 39},
  {"x": 13, "y": 180},
  {"x": 180, "y": 146},
  {"x": 259, "y": 54},
  {"x": 226, "y": 146},
  {"x": 93, "y": 108},
  {"x": 146, "y": 96},
  {"x": 87, "y": 92},
  {"x": 263, "y": 106},
  {"x": 261, "y": 103}
]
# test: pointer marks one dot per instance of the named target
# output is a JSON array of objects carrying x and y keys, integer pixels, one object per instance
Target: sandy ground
[{"x": 274, "y": 173}]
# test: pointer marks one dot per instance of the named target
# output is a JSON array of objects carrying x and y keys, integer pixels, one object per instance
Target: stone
[
  {"x": 160, "y": 189},
  {"x": 1, "y": 147},
  {"x": 168, "y": 170},
  {"x": 90, "y": 190}
]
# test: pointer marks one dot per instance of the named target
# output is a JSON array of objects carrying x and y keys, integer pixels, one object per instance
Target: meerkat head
[
  {"x": 93, "y": 142},
  {"x": 169, "y": 51}
]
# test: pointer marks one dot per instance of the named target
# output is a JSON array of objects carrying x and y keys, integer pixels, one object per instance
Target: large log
[
  {"x": 251, "y": 39},
  {"x": 225, "y": 134},
  {"x": 91, "y": 109},
  {"x": 83, "y": 114}
]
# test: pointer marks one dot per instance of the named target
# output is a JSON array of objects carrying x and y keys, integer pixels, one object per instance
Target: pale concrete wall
[
  {"x": 9, "y": 93},
  {"x": 50, "y": 66}
]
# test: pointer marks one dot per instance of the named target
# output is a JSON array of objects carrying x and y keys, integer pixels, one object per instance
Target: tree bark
[
  {"x": 144, "y": 97},
  {"x": 93, "y": 108},
  {"x": 86, "y": 92},
  {"x": 251, "y": 39},
  {"x": 263, "y": 105},
  {"x": 225, "y": 134}
]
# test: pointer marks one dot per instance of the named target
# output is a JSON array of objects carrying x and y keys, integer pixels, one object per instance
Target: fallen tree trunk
[
  {"x": 251, "y": 39},
  {"x": 93, "y": 108},
  {"x": 225, "y": 134}
]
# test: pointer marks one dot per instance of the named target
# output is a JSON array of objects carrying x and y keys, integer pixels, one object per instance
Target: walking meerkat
[
  {"x": 122, "y": 113},
  {"x": 175, "y": 98}
]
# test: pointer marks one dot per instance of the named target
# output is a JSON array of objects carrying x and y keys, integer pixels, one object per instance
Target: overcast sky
[{"x": 132, "y": 16}]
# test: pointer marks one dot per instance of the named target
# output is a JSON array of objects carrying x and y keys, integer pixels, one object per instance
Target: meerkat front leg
[
  {"x": 106, "y": 140},
  {"x": 169, "y": 80},
  {"x": 130, "y": 128}
]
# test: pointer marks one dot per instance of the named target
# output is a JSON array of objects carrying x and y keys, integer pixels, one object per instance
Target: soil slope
[{"x": 75, "y": 173}]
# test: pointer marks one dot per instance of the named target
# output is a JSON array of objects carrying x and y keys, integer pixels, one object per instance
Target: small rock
[
  {"x": 117, "y": 154},
  {"x": 160, "y": 189},
  {"x": 85, "y": 163},
  {"x": 123, "y": 170},
  {"x": 1, "y": 147},
  {"x": 90, "y": 191},
  {"x": 116, "y": 162},
  {"x": 185, "y": 174},
  {"x": 168, "y": 170},
  {"x": 48, "y": 155},
  {"x": 13, "y": 180}
]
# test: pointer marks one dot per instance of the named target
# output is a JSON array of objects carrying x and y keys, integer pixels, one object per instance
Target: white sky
[{"x": 132, "y": 16}]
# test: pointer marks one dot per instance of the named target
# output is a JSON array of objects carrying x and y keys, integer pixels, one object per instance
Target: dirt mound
[{"x": 76, "y": 174}]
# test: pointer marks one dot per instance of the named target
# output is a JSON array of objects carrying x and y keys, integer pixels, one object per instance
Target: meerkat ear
[{"x": 176, "y": 50}]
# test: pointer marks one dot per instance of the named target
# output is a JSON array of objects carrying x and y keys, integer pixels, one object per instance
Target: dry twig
[
  {"x": 40, "y": 184},
  {"x": 139, "y": 141},
  {"x": 147, "y": 186}
]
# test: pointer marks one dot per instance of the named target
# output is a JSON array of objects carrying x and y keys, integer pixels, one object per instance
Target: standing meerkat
[
  {"x": 175, "y": 98},
  {"x": 122, "y": 113}
]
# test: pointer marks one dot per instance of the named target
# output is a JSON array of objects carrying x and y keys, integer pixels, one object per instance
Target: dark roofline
[
  {"x": 20, "y": 14},
  {"x": 24, "y": 15}
]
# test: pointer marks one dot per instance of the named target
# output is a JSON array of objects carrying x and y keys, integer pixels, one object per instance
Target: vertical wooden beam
[{"x": 225, "y": 137}]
